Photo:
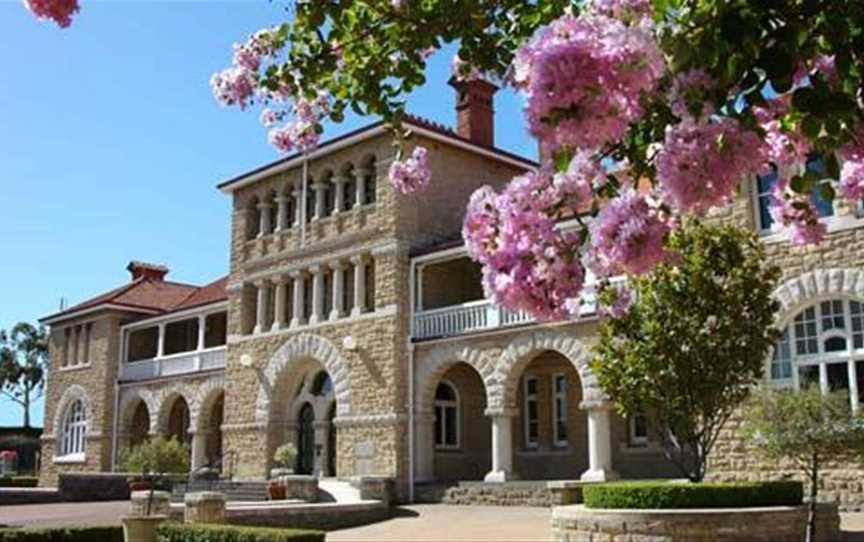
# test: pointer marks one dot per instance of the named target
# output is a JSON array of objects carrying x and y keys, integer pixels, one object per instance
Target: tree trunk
[
  {"x": 26, "y": 405},
  {"x": 811, "y": 506}
]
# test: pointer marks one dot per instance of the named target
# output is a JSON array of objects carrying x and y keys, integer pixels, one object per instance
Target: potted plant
[
  {"x": 150, "y": 461},
  {"x": 283, "y": 458}
]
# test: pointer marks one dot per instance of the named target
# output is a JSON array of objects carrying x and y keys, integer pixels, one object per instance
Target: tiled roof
[{"x": 147, "y": 295}]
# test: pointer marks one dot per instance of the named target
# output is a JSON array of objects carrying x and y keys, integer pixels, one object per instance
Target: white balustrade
[{"x": 175, "y": 364}]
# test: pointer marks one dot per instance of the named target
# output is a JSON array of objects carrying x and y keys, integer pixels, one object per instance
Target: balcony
[{"x": 183, "y": 363}]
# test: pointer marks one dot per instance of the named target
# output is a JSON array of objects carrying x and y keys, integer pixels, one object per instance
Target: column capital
[
  {"x": 264, "y": 205},
  {"x": 297, "y": 274},
  {"x": 280, "y": 278},
  {"x": 359, "y": 259},
  {"x": 283, "y": 198},
  {"x": 361, "y": 172},
  {"x": 501, "y": 412},
  {"x": 339, "y": 179},
  {"x": 337, "y": 265},
  {"x": 319, "y": 185},
  {"x": 316, "y": 269},
  {"x": 261, "y": 283}
]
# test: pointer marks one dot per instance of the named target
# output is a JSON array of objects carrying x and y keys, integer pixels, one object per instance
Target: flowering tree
[
  {"x": 687, "y": 343},
  {"x": 808, "y": 428},
  {"x": 682, "y": 98}
]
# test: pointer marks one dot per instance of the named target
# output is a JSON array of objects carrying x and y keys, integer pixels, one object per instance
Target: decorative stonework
[
  {"x": 432, "y": 366},
  {"x": 297, "y": 349},
  {"x": 524, "y": 348},
  {"x": 814, "y": 286},
  {"x": 73, "y": 393}
]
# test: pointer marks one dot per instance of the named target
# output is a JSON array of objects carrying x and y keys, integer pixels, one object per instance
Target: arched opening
[
  {"x": 139, "y": 428},
  {"x": 216, "y": 415},
  {"x": 253, "y": 219},
  {"x": 461, "y": 435},
  {"x": 178, "y": 421},
  {"x": 331, "y": 440},
  {"x": 306, "y": 440},
  {"x": 550, "y": 431}
]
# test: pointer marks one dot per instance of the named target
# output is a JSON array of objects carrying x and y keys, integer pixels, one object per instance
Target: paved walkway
[{"x": 424, "y": 522}]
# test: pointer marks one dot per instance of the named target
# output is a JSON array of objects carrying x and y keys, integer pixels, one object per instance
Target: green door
[{"x": 306, "y": 446}]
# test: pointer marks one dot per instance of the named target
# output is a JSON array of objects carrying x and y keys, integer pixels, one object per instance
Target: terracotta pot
[
  {"x": 276, "y": 491},
  {"x": 141, "y": 529}
]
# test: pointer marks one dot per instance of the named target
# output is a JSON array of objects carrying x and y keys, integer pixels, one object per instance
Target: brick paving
[{"x": 425, "y": 522}]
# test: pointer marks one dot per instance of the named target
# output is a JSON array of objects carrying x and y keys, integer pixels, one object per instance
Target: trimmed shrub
[
  {"x": 63, "y": 534},
  {"x": 657, "y": 494},
  {"x": 19, "y": 481},
  {"x": 177, "y": 532}
]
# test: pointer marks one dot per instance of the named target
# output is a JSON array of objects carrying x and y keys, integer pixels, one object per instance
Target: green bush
[
  {"x": 66, "y": 534},
  {"x": 176, "y": 532},
  {"x": 19, "y": 481},
  {"x": 665, "y": 494}
]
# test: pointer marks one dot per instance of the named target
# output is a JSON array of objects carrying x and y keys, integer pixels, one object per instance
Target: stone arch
[
  {"x": 205, "y": 395},
  {"x": 164, "y": 401},
  {"x": 128, "y": 403},
  {"x": 525, "y": 347},
  {"x": 808, "y": 288},
  {"x": 73, "y": 393},
  {"x": 297, "y": 349},
  {"x": 432, "y": 365}
]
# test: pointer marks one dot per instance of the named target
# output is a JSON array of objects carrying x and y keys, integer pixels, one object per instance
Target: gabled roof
[
  {"x": 419, "y": 124},
  {"x": 148, "y": 296}
]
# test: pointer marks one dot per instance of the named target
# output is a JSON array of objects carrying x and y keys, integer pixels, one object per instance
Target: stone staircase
[{"x": 234, "y": 491}]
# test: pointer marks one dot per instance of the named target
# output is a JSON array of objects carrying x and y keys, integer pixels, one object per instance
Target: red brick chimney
[
  {"x": 475, "y": 112},
  {"x": 149, "y": 271}
]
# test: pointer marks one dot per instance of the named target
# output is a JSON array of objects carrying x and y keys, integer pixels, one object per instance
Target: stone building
[{"x": 353, "y": 324}]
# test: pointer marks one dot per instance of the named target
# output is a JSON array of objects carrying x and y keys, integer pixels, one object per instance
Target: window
[
  {"x": 823, "y": 346},
  {"x": 370, "y": 190},
  {"x": 88, "y": 332},
  {"x": 637, "y": 431},
  {"x": 559, "y": 420},
  {"x": 74, "y": 430},
  {"x": 764, "y": 184},
  {"x": 532, "y": 417},
  {"x": 825, "y": 207},
  {"x": 446, "y": 416},
  {"x": 67, "y": 339}
]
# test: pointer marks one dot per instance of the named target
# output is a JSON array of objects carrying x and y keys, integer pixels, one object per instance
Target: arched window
[
  {"x": 322, "y": 385},
  {"x": 446, "y": 416},
  {"x": 823, "y": 346},
  {"x": 74, "y": 430}
]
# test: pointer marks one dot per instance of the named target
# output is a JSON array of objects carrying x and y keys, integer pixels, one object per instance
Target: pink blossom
[
  {"x": 583, "y": 78},
  {"x": 628, "y": 235},
  {"x": 692, "y": 88},
  {"x": 411, "y": 175},
  {"x": 852, "y": 173},
  {"x": 701, "y": 164},
  {"x": 233, "y": 86},
  {"x": 797, "y": 212},
  {"x": 304, "y": 131},
  {"x": 270, "y": 117},
  {"x": 620, "y": 307},
  {"x": 60, "y": 11},
  {"x": 575, "y": 185},
  {"x": 621, "y": 9},
  {"x": 782, "y": 146},
  {"x": 281, "y": 138}
]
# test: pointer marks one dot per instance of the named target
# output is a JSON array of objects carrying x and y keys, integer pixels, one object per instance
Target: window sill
[
  {"x": 72, "y": 368},
  {"x": 71, "y": 459}
]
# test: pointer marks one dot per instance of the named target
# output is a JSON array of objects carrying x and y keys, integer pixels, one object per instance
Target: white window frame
[
  {"x": 821, "y": 359},
  {"x": 559, "y": 415},
  {"x": 635, "y": 440},
  {"x": 531, "y": 398},
  {"x": 757, "y": 216},
  {"x": 440, "y": 407},
  {"x": 73, "y": 441}
]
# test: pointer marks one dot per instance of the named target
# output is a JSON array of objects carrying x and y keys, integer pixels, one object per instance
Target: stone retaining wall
[
  {"x": 540, "y": 494},
  {"x": 770, "y": 524},
  {"x": 325, "y": 516}
]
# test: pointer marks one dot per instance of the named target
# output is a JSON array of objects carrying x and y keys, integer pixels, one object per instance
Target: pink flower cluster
[
  {"x": 690, "y": 90},
  {"x": 305, "y": 131},
  {"x": 781, "y": 147},
  {"x": 60, "y": 11},
  {"x": 628, "y": 235},
  {"x": 796, "y": 212},
  {"x": 583, "y": 78},
  {"x": 620, "y": 307},
  {"x": 622, "y": 9},
  {"x": 237, "y": 85},
  {"x": 528, "y": 263},
  {"x": 701, "y": 163},
  {"x": 411, "y": 175},
  {"x": 852, "y": 172}
]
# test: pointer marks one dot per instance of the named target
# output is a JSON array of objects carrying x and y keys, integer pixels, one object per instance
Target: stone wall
[
  {"x": 533, "y": 493},
  {"x": 770, "y": 524}
]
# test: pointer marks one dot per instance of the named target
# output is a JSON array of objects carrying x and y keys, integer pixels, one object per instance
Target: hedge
[
  {"x": 19, "y": 481},
  {"x": 665, "y": 494},
  {"x": 177, "y": 532},
  {"x": 63, "y": 534}
]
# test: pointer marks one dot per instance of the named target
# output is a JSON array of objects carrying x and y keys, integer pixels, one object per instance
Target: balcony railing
[
  {"x": 175, "y": 364},
  {"x": 484, "y": 315}
]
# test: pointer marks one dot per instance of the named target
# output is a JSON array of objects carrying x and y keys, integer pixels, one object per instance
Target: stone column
[
  {"x": 317, "y": 294},
  {"x": 502, "y": 446},
  {"x": 338, "y": 289},
  {"x": 261, "y": 308},
  {"x": 339, "y": 198},
  {"x": 199, "y": 449},
  {"x": 281, "y": 213},
  {"x": 424, "y": 447},
  {"x": 264, "y": 216},
  {"x": 599, "y": 445},
  {"x": 202, "y": 329},
  {"x": 299, "y": 291},
  {"x": 297, "y": 194},
  {"x": 320, "y": 210},
  {"x": 279, "y": 303},
  {"x": 359, "y": 263},
  {"x": 360, "y": 176},
  {"x": 160, "y": 345},
  {"x": 321, "y": 469}
]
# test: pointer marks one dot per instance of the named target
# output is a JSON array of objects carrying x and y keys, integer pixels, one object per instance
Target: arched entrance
[
  {"x": 178, "y": 421},
  {"x": 331, "y": 441},
  {"x": 306, "y": 440},
  {"x": 139, "y": 428},
  {"x": 213, "y": 452}
]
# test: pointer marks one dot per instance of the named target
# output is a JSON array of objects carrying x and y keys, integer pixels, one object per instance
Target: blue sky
[{"x": 111, "y": 146}]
